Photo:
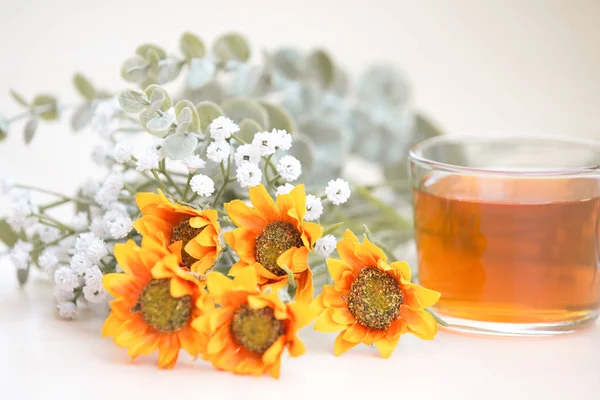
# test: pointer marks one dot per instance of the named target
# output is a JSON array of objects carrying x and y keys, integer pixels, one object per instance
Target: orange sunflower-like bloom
[
  {"x": 250, "y": 329},
  {"x": 371, "y": 301},
  {"x": 155, "y": 302},
  {"x": 169, "y": 223},
  {"x": 272, "y": 235}
]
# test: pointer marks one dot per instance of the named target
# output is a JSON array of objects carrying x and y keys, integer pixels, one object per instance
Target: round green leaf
[
  {"x": 248, "y": 128},
  {"x": 279, "y": 118},
  {"x": 207, "y": 112},
  {"x": 304, "y": 149},
  {"x": 7, "y": 235},
  {"x": 18, "y": 98},
  {"x": 194, "y": 124},
  {"x": 160, "y": 125},
  {"x": 239, "y": 109},
  {"x": 84, "y": 86},
  {"x": 321, "y": 68},
  {"x": 133, "y": 100},
  {"x": 177, "y": 147},
  {"x": 47, "y": 103},
  {"x": 168, "y": 70},
  {"x": 159, "y": 94},
  {"x": 135, "y": 69},
  {"x": 212, "y": 91},
  {"x": 341, "y": 83},
  {"x": 232, "y": 46},
  {"x": 289, "y": 63},
  {"x": 144, "y": 49},
  {"x": 30, "y": 129},
  {"x": 191, "y": 46},
  {"x": 81, "y": 117}
]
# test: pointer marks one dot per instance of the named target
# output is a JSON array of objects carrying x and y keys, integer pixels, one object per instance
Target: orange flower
[
  {"x": 274, "y": 235},
  {"x": 250, "y": 329},
  {"x": 155, "y": 302},
  {"x": 169, "y": 223},
  {"x": 372, "y": 302}
]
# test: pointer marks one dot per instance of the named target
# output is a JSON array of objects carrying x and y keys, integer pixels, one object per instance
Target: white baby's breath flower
[
  {"x": 289, "y": 168},
  {"x": 285, "y": 189},
  {"x": 90, "y": 187},
  {"x": 248, "y": 175},
  {"x": 338, "y": 191},
  {"x": 148, "y": 159},
  {"x": 222, "y": 128},
  {"x": 6, "y": 184},
  {"x": 62, "y": 296},
  {"x": 80, "y": 262},
  {"x": 48, "y": 234},
  {"x": 123, "y": 152},
  {"x": 193, "y": 162},
  {"x": 104, "y": 122},
  {"x": 67, "y": 245},
  {"x": 93, "y": 290},
  {"x": 218, "y": 151},
  {"x": 92, "y": 246},
  {"x": 265, "y": 142},
  {"x": 100, "y": 228},
  {"x": 81, "y": 303},
  {"x": 314, "y": 208},
  {"x": 19, "y": 209},
  {"x": 67, "y": 310},
  {"x": 247, "y": 153},
  {"x": 117, "y": 223},
  {"x": 202, "y": 185},
  {"x": 325, "y": 246},
  {"x": 80, "y": 221},
  {"x": 100, "y": 155},
  {"x": 109, "y": 191},
  {"x": 283, "y": 140},
  {"x": 20, "y": 255},
  {"x": 48, "y": 260},
  {"x": 66, "y": 279}
]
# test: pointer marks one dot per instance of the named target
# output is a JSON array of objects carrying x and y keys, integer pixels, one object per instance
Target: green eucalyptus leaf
[
  {"x": 18, "y": 98},
  {"x": 184, "y": 120},
  {"x": 8, "y": 236},
  {"x": 160, "y": 125},
  {"x": 279, "y": 117},
  {"x": 191, "y": 46},
  {"x": 304, "y": 149},
  {"x": 321, "y": 68},
  {"x": 331, "y": 150},
  {"x": 239, "y": 109},
  {"x": 3, "y": 128},
  {"x": 159, "y": 96},
  {"x": 30, "y": 129},
  {"x": 81, "y": 117},
  {"x": 84, "y": 86},
  {"x": 207, "y": 112},
  {"x": 49, "y": 103},
  {"x": 177, "y": 147},
  {"x": 168, "y": 70},
  {"x": 194, "y": 124},
  {"x": 154, "y": 60},
  {"x": 248, "y": 128},
  {"x": 22, "y": 275},
  {"x": 212, "y": 91},
  {"x": 201, "y": 71},
  {"x": 144, "y": 49},
  {"x": 341, "y": 83},
  {"x": 232, "y": 46},
  {"x": 289, "y": 63},
  {"x": 133, "y": 100},
  {"x": 135, "y": 69}
]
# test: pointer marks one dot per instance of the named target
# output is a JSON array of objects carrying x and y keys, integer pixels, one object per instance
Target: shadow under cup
[{"x": 506, "y": 229}]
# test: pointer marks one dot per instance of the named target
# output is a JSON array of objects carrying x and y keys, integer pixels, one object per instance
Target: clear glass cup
[{"x": 506, "y": 228}]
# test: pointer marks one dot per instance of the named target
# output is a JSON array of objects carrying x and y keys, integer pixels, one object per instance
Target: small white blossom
[
  {"x": 100, "y": 228},
  {"x": 338, "y": 191},
  {"x": 109, "y": 191},
  {"x": 193, "y": 163},
  {"x": 90, "y": 187},
  {"x": 218, "y": 151},
  {"x": 314, "y": 208},
  {"x": 81, "y": 303},
  {"x": 62, "y": 296},
  {"x": 222, "y": 128},
  {"x": 67, "y": 310},
  {"x": 148, "y": 159},
  {"x": 289, "y": 168},
  {"x": 285, "y": 189},
  {"x": 283, "y": 140},
  {"x": 202, "y": 185},
  {"x": 247, "y": 153},
  {"x": 92, "y": 246},
  {"x": 325, "y": 246},
  {"x": 80, "y": 221},
  {"x": 48, "y": 260},
  {"x": 93, "y": 290},
  {"x": 99, "y": 155},
  {"x": 19, "y": 211},
  {"x": 265, "y": 142},
  {"x": 123, "y": 152},
  {"x": 20, "y": 254},
  {"x": 80, "y": 262},
  {"x": 48, "y": 233},
  {"x": 6, "y": 185},
  {"x": 104, "y": 122},
  {"x": 118, "y": 223},
  {"x": 248, "y": 175},
  {"x": 67, "y": 244},
  {"x": 66, "y": 279}
]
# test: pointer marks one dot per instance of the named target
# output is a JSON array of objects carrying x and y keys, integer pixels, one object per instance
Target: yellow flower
[
  {"x": 169, "y": 223},
  {"x": 250, "y": 330},
  {"x": 155, "y": 302},
  {"x": 371, "y": 301},
  {"x": 271, "y": 235}
]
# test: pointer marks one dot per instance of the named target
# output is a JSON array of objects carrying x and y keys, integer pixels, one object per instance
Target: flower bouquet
[{"x": 221, "y": 226}]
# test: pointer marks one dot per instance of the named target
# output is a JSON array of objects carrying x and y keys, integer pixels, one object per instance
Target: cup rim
[{"x": 499, "y": 136}]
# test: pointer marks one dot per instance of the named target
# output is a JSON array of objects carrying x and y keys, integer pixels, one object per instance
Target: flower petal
[
  {"x": 244, "y": 216},
  {"x": 420, "y": 323},
  {"x": 342, "y": 316},
  {"x": 243, "y": 241},
  {"x": 325, "y": 323},
  {"x": 311, "y": 233},
  {"x": 246, "y": 280},
  {"x": 337, "y": 267},
  {"x": 273, "y": 353},
  {"x": 341, "y": 346},
  {"x": 296, "y": 348},
  {"x": 119, "y": 284},
  {"x": 386, "y": 346},
  {"x": 305, "y": 290},
  {"x": 111, "y": 325},
  {"x": 218, "y": 284},
  {"x": 179, "y": 288},
  {"x": 168, "y": 351},
  {"x": 420, "y": 297},
  {"x": 356, "y": 333},
  {"x": 402, "y": 268},
  {"x": 301, "y": 313},
  {"x": 219, "y": 317},
  {"x": 263, "y": 203}
]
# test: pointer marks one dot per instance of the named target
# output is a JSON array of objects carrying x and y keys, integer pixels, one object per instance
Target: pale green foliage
[
  {"x": 30, "y": 129},
  {"x": 239, "y": 109},
  {"x": 49, "y": 105},
  {"x": 248, "y": 128},
  {"x": 191, "y": 46},
  {"x": 188, "y": 119},
  {"x": 7, "y": 235},
  {"x": 159, "y": 98},
  {"x": 279, "y": 118},
  {"x": 207, "y": 111},
  {"x": 19, "y": 98},
  {"x": 321, "y": 68},
  {"x": 133, "y": 100},
  {"x": 3, "y": 128},
  {"x": 232, "y": 46},
  {"x": 84, "y": 87},
  {"x": 81, "y": 117},
  {"x": 178, "y": 146}
]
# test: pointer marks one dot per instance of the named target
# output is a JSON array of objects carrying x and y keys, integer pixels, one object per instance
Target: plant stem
[
  {"x": 57, "y": 224},
  {"x": 225, "y": 180},
  {"x": 162, "y": 185},
  {"x": 52, "y": 193},
  {"x": 54, "y": 204},
  {"x": 187, "y": 186}
]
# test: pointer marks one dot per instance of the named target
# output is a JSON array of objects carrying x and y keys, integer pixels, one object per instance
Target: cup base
[{"x": 519, "y": 329}]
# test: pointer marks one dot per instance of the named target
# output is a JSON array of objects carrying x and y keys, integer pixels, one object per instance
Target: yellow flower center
[
  {"x": 256, "y": 330},
  {"x": 162, "y": 311},
  {"x": 184, "y": 232},
  {"x": 275, "y": 239},
  {"x": 375, "y": 298}
]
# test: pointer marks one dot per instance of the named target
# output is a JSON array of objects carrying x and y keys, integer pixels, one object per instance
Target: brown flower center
[
  {"x": 275, "y": 239},
  {"x": 162, "y": 311},
  {"x": 375, "y": 298},
  {"x": 256, "y": 330},
  {"x": 184, "y": 232}
]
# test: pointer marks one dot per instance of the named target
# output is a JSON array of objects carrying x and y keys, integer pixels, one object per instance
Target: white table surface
[{"x": 43, "y": 357}]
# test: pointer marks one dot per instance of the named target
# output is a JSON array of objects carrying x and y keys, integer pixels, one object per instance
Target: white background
[{"x": 474, "y": 65}]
